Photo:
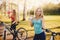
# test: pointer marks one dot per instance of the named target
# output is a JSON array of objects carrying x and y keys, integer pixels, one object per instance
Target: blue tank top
[{"x": 37, "y": 26}]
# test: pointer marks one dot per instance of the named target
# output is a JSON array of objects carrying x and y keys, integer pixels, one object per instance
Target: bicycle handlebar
[
  {"x": 58, "y": 33},
  {"x": 2, "y": 23},
  {"x": 53, "y": 33},
  {"x": 47, "y": 30}
]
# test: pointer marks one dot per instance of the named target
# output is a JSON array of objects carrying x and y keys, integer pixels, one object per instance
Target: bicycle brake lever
[{"x": 47, "y": 30}]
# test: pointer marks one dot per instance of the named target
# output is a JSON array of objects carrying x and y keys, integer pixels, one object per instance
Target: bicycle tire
[
  {"x": 5, "y": 34},
  {"x": 21, "y": 31}
]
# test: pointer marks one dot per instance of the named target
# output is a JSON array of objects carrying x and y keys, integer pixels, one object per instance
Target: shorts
[{"x": 40, "y": 36}]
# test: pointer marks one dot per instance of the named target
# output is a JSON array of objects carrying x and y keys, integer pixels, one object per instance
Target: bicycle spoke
[{"x": 22, "y": 34}]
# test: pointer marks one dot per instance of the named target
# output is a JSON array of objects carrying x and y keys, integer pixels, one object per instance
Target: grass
[{"x": 50, "y": 22}]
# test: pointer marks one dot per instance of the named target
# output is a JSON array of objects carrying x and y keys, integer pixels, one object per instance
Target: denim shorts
[{"x": 40, "y": 36}]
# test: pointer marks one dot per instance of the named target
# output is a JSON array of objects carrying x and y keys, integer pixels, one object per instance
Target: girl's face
[
  {"x": 38, "y": 12},
  {"x": 13, "y": 12}
]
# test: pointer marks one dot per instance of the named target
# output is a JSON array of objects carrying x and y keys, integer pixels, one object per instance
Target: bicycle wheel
[
  {"x": 22, "y": 34},
  {"x": 7, "y": 35},
  {"x": 4, "y": 35}
]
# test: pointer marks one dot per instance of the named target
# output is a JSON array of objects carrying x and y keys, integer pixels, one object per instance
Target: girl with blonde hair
[{"x": 38, "y": 23}]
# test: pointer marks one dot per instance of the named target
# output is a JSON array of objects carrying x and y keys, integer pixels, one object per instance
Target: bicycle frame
[
  {"x": 53, "y": 34},
  {"x": 14, "y": 33}
]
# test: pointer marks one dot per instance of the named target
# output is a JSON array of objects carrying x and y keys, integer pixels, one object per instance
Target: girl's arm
[
  {"x": 43, "y": 23},
  {"x": 15, "y": 21},
  {"x": 30, "y": 20},
  {"x": 31, "y": 23}
]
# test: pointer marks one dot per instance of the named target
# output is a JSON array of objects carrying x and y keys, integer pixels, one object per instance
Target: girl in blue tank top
[{"x": 38, "y": 23}]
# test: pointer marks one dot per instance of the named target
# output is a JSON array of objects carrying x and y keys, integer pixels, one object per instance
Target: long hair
[
  {"x": 14, "y": 12},
  {"x": 41, "y": 12}
]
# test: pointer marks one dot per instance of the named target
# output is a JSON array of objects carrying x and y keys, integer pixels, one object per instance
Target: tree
[
  {"x": 53, "y": 9},
  {"x": 24, "y": 10}
]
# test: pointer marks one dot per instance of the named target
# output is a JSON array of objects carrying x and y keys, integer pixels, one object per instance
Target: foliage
[{"x": 52, "y": 9}]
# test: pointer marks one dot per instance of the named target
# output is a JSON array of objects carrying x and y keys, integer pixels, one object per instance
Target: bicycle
[
  {"x": 20, "y": 34},
  {"x": 53, "y": 34}
]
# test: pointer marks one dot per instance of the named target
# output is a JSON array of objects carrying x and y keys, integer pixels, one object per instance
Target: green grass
[{"x": 50, "y": 22}]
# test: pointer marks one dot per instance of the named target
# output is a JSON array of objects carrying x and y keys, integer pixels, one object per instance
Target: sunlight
[
  {"x": 30, "y": 4},
  {"x": 36, "y": 3},
  {"x": 33, "y": 3},
  {"x": 0, "y": 1}
]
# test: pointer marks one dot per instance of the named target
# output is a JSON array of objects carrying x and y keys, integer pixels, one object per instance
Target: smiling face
[{"x": 38, "y": 12}]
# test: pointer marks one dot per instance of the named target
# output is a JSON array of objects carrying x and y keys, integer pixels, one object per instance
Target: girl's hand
[
  {"x": 30, "y": 19},
  {"x": 14, "y": 22}
]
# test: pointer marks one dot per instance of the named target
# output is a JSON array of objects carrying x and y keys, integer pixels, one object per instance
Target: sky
[
  {"x": 36, "y": 3},
  {"x": 32, "y": 3}
]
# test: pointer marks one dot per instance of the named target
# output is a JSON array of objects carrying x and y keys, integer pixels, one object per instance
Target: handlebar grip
[
  {"x": 47, "y": 30},
  {"x": 1, "y": 23}
]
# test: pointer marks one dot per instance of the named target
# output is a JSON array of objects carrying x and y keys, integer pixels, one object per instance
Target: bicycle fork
[
  {"x": 15, "y": 35},
  {"x": 4, "y": 34},
  {"x": 52, "y": 36}
]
